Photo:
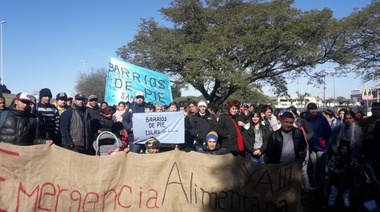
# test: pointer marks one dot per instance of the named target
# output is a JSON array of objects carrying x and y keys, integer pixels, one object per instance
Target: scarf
[
  {"x": 343, "y": 135},
  {"x": 240, "y": 142}
]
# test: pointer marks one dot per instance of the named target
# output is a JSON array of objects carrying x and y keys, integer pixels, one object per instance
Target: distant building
[{"x": 283, "y": 102}]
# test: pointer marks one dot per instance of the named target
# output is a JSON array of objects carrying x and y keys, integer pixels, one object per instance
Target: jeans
[
  {"x": 334, "y": 194},
  {"x": 305, "y": 177},
  {"x": 198, "y": 147},
  {"x": 136, "y": 148},
  {"x": 259, "y": 160},
  {"x": 318, "y": 160}
]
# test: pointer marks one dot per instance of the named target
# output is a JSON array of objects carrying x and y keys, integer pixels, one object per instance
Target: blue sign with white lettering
[{"x": 124, "y": 80}]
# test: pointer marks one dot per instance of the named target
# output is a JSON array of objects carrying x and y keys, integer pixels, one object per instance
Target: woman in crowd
[
  {"x": 348, "y": 131},
  {"x": 105, "y": 119},
  {"x": 330, "y": 117},
  {"x": 118, "y": 115},
  {"x": 256, "y": 137},
  {"x": 230, "y": 127},
  {"x": 211, "y": 146},
  {"x": 318, "y": 144}
]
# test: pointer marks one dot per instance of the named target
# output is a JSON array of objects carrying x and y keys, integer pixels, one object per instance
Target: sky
[{"x": 47, "y": 43}]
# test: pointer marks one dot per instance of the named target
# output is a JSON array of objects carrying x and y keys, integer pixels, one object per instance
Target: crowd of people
[{"x": 336, "y": 148}]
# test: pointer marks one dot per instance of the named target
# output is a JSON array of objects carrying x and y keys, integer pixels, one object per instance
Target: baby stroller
[{"x": 106, "y": 142}]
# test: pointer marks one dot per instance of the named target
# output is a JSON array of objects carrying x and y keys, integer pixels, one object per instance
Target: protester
[
  {"x": 342, "y": 168},
  {"x": 371, "y": 139},
  {"x": 69, "y": 101},
  {"x": 189, "y": 138},
  {"x": 118, "y": 115},
  {"x": 159, "y": 108},
  {"x": 33, "y": 103},
  {"x": 341, "y": 112},
  {"x": 286, "y": 144},
  {"x": 331, "y": 118},
  {"x": 173, "y": 107},
  {"x": 103, "y": 105},
  {"x": 48, "y": 117},
  {"x": 318, "y": 145},
  {"x": 270, "y": 117},
  {"x": 92, "y": 106},
  {"x": 150, "y": 108},
  {"x": 211, "y": 146},
  {"x": 76, "y": 127},
  {"x": 3, "y": 104},
  {"x": 359, "y": 115},
  {"x": 18, "y": 126},
  {"x": 201, "y": 123},
  {"x": 138, "y": 106},
  {"x": 348, "y": 131},
  {"x": 152, "y": 146},
  {"x": 256, "y": 137},
  {"x": 230, "y": 128},
  {"x": 60, "y": 102}
]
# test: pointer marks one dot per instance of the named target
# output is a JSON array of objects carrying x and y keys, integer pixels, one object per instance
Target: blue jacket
[{"x": 322, "y": 132}]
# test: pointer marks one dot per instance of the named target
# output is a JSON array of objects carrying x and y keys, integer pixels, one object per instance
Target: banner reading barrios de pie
[
  {"x": 167, "y": 127},
  {"x": 125, "y": 79}
]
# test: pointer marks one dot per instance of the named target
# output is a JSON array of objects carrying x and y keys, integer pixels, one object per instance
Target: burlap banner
[{"x": 50, "y": 178}]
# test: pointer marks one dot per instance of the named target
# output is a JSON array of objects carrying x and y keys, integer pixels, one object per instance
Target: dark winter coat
[
  {"x": 202, "y": 125},
  {"x": 217, "y": 151},
  {"x": 249, "y": 138},
  {"x": 76, "y": 127},
  {"x": 20, "y": 129},
  {"x": 322, "y": 132},
  {"x": 342, "y": 171},
  {"x": 273, "y": 149},
  {"x": 225, "y": 128}
]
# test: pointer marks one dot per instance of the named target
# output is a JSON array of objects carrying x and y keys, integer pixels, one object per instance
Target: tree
[
  {"x": 363, "y": 41},
  {"x": 302, "y": 98},
  {"x": 222, "y": 46},
  {"x": 340, "y": 99},
  {"x": 93, "y": 82}
]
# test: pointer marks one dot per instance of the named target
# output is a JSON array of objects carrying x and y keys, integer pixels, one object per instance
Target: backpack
[{"x": 4, "y": 115}]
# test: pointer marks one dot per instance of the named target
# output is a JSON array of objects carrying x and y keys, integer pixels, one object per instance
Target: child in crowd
[
  {"x": 342, "y": 168},
  {"x": 152, "y": 146},
  {"x": 211, "y": 146}
]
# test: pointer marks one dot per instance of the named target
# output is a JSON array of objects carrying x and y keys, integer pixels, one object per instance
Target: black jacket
[
  {"x": 273, "y": 150},
  {"x": 70, "y": 134},
  {"x": 217, "y": 151},
  {"x": 202, "y": 125},
  {"x": 228, "y": 137},
  {"x": 249, "y": 138},
  {"x": 20, "y": 128}
]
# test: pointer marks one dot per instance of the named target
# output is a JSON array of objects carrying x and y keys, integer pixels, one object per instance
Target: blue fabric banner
[
  {"x": 167, "y": 127},
  {"x": 125, "y": 79}
]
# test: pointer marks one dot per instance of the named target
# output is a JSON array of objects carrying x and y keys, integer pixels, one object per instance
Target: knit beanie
[
  {"x": 45, "y": 92},
  {"x": 152, "y": 143},
  {"x": 213, "y": 135}
]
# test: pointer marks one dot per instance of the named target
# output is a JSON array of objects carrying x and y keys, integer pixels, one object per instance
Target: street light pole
[
  {"x": 1, "y": 53},
  {"x": 334, "y": 85},
  {"x": 324, "y": 89}
]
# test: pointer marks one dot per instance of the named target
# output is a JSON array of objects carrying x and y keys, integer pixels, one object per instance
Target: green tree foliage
[
  {"x": 363, "y": 41},
  {"x": 223, "y": 46},
  {"x": 93, "y": 82}
]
